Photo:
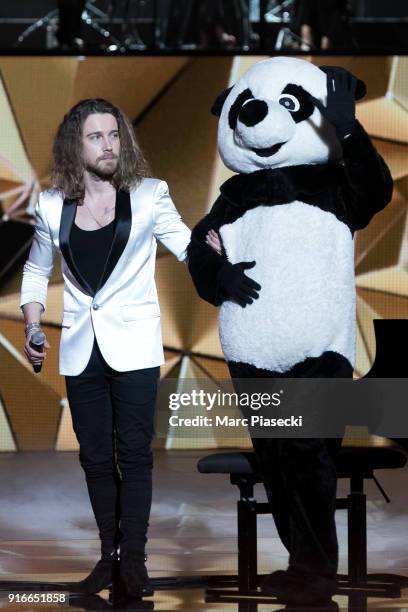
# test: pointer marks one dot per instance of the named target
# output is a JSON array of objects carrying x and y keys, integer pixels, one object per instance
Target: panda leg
[
  {"x": 267, "y": 452},
  {"x": 300, "y": 482},
  {"x": 311, "y": 482}
]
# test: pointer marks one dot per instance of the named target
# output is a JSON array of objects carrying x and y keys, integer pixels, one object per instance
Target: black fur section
[
  {"x": 306, "y": 105},
  {"x": 279, "y": 186},
  {"x": 353, "y": 191},
  {"x": 204, "y": 263},
  {"x": 219, "y": 102},
  {"x": 366, "y": 184},
  {"x": 328, "y": 365},
  {"x": 300, "y": 480},
  {"x": 236, "y": 107},
  {"x": 299, "y": 475}
]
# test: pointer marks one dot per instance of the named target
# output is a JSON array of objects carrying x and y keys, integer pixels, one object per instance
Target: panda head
[{"x": 268, "y": 120}]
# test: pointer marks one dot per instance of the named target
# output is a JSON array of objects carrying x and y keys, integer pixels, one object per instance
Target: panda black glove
[
  {"x": 341, "y": 101},
  {"x": 235, "y": 285}
]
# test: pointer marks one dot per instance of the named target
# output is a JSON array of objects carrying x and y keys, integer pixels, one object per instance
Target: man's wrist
[{"x": 29, "y": 327}]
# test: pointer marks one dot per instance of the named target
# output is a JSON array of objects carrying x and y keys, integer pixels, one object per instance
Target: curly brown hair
[{"x": 67, "y": 171}]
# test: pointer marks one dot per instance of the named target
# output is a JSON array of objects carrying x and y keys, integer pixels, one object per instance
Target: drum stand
[
  {"x": 282, "y": 14},
  {"x": 286, "y": 35},
  {"x": 132, "y": 38}
]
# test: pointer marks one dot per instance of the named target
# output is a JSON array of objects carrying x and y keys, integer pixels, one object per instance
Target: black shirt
[{"x": 90, "y": 250}]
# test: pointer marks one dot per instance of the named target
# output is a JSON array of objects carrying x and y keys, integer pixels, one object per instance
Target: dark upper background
[{"x": 169, "y": 26}]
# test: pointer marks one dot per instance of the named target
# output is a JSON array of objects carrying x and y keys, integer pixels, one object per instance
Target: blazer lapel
[
  {"x": 67, "y": 219},
  {"x": 123, "y": 224}
]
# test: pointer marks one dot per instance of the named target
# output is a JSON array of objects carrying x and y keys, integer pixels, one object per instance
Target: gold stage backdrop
[{"x": 169, "y": 99}]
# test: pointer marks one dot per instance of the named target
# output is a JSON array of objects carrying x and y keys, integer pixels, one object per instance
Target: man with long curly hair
[{"x": 104, "y": 214}]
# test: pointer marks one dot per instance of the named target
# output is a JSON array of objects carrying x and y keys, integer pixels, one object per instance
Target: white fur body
[{"x": 306, "y": 306}]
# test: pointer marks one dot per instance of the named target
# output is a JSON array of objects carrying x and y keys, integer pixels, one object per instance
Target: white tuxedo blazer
[{"x": 124, "y": 313}]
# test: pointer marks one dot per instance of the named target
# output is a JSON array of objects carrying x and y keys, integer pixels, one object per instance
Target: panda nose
[{"x": 253, "y": 112}]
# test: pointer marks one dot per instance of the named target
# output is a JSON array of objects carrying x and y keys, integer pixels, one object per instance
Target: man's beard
[{"x": 104, "y": 173}]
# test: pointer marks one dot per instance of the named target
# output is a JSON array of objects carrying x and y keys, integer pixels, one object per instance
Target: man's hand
[
  {"x": 236, "y": 285},
  {"x": 213, "y": 240},
  {"x": 34, "y": 357},
  {"x": 340, "y": 110}
]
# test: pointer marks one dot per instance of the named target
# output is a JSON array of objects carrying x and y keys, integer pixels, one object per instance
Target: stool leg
[
  {"x": 247, "y": 546},
  {"x": 357, "y": 537}
]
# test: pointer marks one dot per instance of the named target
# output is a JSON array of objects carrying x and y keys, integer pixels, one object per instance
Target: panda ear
[
  {"x": 219, "y": 102},
  {"x": 361, "y": 88}
]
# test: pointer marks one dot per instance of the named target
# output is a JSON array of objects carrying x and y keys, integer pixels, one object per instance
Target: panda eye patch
[
  {"x": 236, "y": 107},
  {"x": 289, "y": 102},
  {"x": 298, "y": 101}
]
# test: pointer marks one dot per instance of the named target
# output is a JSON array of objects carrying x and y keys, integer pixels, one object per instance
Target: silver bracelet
[{"x": 29, "y": 326}]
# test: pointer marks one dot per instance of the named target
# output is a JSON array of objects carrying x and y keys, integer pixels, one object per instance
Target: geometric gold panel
[
  {"x": 384, "y": 118},
  {"x": 392, "y": 281},
  {"x": 14, "y": 163},
  {"x": 379, "y": 244},
  {"x": 174, "y": 288},
  {"x": 179, "y": 133},
  {"x": 366, "y": 345},
  {"x": 395, "y": 155},
  {"x": 215, "y": 368},
  {"x": 49, "y": 86},
  {"x": 385, "y": 305},
  {"x": 7, "y": 442},
  {"x": 10, "y": 305},
  {"x": 205, "y": 330},
  {"x": 32, "y": 408},
  {"x": 363, "y": 361}
]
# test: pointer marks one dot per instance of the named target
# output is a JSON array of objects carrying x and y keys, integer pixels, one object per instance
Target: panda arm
[
  {"x": 204, "y": 263},
  {"x": 366, "y": 180}
]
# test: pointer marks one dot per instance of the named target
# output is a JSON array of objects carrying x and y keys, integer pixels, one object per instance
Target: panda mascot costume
[{"x": 307, "y": 177}]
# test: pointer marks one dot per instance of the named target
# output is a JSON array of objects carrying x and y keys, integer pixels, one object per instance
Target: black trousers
[
  {"x": 300, "y": 481},
  {"x": 112, "y": 415}
]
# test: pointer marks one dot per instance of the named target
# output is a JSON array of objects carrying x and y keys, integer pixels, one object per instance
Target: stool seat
[
  {"x": 228, "y": 463},
  {"x": 350, "y": 460},
  {"x": 365, "y": 460}
]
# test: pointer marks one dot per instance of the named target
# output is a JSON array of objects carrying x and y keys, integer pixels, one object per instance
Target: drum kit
[
  {"x": 103, "y": 17},
  {"x": 115, "y": 23}
]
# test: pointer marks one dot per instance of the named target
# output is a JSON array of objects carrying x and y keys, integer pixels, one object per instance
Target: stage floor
[{"x": 47, "y": 530}]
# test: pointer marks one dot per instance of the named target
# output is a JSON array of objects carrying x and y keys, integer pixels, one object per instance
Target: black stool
[{"x": 354, "y": 463}]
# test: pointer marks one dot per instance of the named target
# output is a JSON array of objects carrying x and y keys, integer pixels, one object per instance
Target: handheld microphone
[{"x": 37, "y": 342}]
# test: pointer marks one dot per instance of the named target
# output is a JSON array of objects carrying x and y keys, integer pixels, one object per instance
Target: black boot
[
  {"x": 293, "y": 587},
  {"x": 134, "y": 579},
  {"x": 100, "y": 578}
]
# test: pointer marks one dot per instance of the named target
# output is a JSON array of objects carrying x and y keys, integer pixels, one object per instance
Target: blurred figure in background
[
  {"x": 320, "y": 22},
  {"x": 213, "y": 19},
  {"x": 70, "y": 22},
  {"x": 206, "y": 24}
]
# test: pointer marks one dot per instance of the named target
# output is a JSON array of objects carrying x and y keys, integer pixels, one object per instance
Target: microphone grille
[{"x": 38, "y": 338}]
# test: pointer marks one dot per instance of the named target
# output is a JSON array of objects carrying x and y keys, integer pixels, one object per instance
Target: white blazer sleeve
[
  {"x": 39, "y": 265},
  {"x": 168, "y": 226}
]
